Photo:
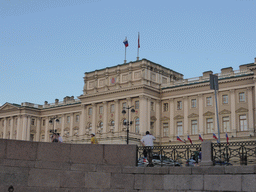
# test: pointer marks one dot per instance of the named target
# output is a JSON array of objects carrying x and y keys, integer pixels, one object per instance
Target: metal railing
[
  {"x": 234, "y": 153},
  {"x": 171, "y": 155}
]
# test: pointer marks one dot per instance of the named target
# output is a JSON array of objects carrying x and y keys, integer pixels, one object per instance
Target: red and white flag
[
  {"x": 214, "y": 136},
  {"x": 200, "y": 137},
  {"x": 190, "y": 139},
  {"x": 179, "y": 139}
]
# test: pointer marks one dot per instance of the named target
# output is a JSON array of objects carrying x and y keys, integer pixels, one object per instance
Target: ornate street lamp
[
  {"x": 128, "y": 123},
  {"x": 53, "y": 131}
]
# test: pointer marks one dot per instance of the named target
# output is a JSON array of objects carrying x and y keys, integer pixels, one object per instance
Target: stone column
[
  {"x": 117, "y": 114},
  {"x": 5, "y": 128},
  {"x": 250, "y": 111},
  {"x": 143, "y": 114},
  {"x": 201, "y": 129},
  {"x": 28, "y": 129},
  {"x": 12, "y": 128},
  {"x": 24, "y": 126},
  {"x": 94, "y": 113},
  {"x": 149, "y": 115},
  {"x": 185, "y": 110},
  {"x": 19, "y": 128},
  {"x": 233, "y": 112},
  {"x": 158, "y": 121},
  {"x": 82, "y": 121},
  {"x": 71, "y": 124},
  {"x": 105, "y": 116},
  {"x": 172, "y": 128},
  {"x": 46, "y": 134},
  {"x": 38, "y": 130},
  {"x": 62, "y": 125},
  {"x": 206, "y": 153}
]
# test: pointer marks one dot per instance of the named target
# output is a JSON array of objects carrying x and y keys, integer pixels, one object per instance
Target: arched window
[{"x": 137, "y": 125}]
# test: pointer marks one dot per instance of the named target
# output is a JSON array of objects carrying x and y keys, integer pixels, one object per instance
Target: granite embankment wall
[{"x": 39, "y": 167}]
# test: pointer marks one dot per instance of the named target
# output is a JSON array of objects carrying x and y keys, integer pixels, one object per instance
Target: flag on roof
[
  {"x": 214, "y": 136},
  {"x": 227, "y": 138},
  {"x": 126, "y": 42},
  {"x": 190, "y": 139},
  {"x": 200, "y": 137}
]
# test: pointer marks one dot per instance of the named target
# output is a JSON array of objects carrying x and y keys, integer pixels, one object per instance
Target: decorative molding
[
  {"x": 153, "y": 118},
  {"x": 225, "y": 111},
  {"x": 208, "y": 113},
  {"x": 193, "y": 115},
  {"x": 165, "y": 118},
  {"x": 241, "y": 110},
  {"x": 178, "y": 117}
]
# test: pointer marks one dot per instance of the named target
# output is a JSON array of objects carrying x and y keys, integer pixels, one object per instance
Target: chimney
[
  {"x": 46, "y": 103},
  {"x": 56, "y": 101}
]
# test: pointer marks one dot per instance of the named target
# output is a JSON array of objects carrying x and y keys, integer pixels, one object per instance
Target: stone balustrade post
[{"x": 206, "y": 154}]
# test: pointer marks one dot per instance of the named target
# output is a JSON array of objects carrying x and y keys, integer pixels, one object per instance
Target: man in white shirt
[{"x": 147, "y": 141}]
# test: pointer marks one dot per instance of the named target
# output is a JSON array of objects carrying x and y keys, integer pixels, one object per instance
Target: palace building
[{"x": 141, "y": 96}]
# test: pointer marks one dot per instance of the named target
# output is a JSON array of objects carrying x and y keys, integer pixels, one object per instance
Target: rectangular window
[
  {"x": 44, "y": 122},
  {"x": 243, "y": 123},
  {"x": 152, "y": 106},
  {"x": 226, "y": 124},
  {"x": 165, "y": 129},
  {"x": 165, "y": 107},
  {"x": 209, "y": 125},
  {"x": 137, "y": 104},
  {"x": 68, "y": 119},
  {"x": 101, "y": 110},
  {"x": 32, "y": 121},
  {"x": 9, "y": 122},
  {"x": 242, "y": 97},
  {"x": 112, "y": 108},
  {"x": 124, "y": 105},
  {"x": 179, "y": 105},
  {"x": 77, "y": 118},
  {"x": 194, "y": 127},
  {"x": 208, "y": 101},
  {"x": 90, "y": 111},
  {"x": 193, "y": 103},
  {"x": 179, "y": 128},
  {"x": 225, "y": 99}
]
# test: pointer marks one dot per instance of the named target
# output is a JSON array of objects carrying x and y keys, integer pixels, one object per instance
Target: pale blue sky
[{"x": 47, "y": 45}]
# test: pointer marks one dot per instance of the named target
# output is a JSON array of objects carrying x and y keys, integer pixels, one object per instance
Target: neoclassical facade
[{"x": 164, "y": 103}]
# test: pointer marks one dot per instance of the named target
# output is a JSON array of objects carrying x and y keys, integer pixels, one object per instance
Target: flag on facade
[
  {"x": 214, "y": 136},
  {"x": 227, "y": 138},
  {"x": 200, "y": 137},
  {"x": 126, "y": 42},
  {"x": 190, "y": 139},
  {"x": 179, "y": 139},
  {"x": 138, "y": 40}
]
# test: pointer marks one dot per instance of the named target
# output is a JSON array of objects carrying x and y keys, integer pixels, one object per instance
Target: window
[
  {"x": 32, "y": 121},
  {"x": 226, "y": 124},
  {"x": 152, "y": 106},
  {"x": 243, "y": 122},
  {"x": 194, "y": 127},
  {"x": 101, "y": 110},
  {"x": 44, "y": 122},
  {"x": 208, "y": 101},
  {"x": 209, "y": 125},
  {"x": 9, "y": 122},
  {"x": 165, "y": 129},
  {"x": 124, "y": 105},
  {"x": 179, "y": 105},
  {"x": 112, "y": 108},
  {"x": 193, "y": 103},
  {"x": 165, "y": 107},
  {"x": 242, "y": 97},
  {"x": 68, "y": 119},
  {"x": 137, "y": 105},
  {"x": 137, "y": 125},
  {"x": 90, "y": 111},
  {"x": 179, "y": 128},
  {"x": 77, "y": 118},
  {"x": 225, "y": 99}
]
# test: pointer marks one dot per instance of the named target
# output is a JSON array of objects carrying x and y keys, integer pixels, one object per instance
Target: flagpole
[
  {"x": 125, "y": 54},
  {"x": 138, "y": 46}
]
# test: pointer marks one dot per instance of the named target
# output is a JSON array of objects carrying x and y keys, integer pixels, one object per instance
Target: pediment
[
  {"x": 9, "y": 106},
  {"x": 178, "y": 117},
  {"x": 241, "y": 110},
  {"x": 165, "y": 118},
  {"x": 223, "y": 112},
  {"x": 193, "y": 115},
  {"x": 153, "y": 118},
  {"x": 208, "y": 113}
]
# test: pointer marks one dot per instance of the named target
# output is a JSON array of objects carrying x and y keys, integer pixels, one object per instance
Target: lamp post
[
  {"x": 128, "y": 123},
  {"x": 53, "y": 131}
]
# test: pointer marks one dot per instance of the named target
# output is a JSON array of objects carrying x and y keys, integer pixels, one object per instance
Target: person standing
[
  {"x": 147, "y": 142},
  {"x": 93, "y": 139},
  {"x": 59, "y": 138}
]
